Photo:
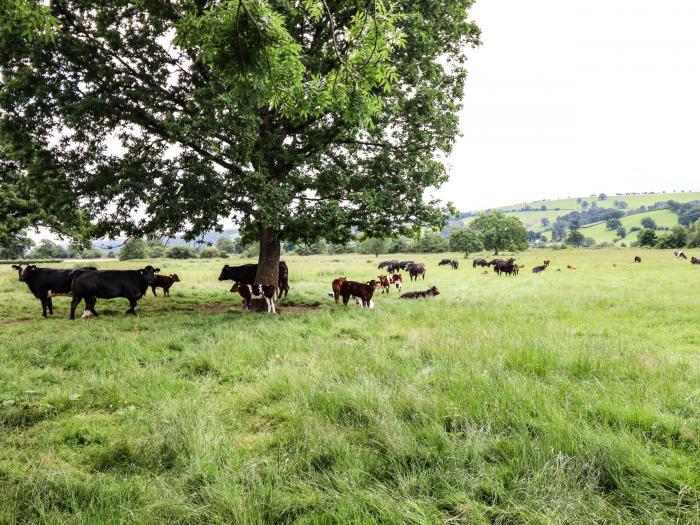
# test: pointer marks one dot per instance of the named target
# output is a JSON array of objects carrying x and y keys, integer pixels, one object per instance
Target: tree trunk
[{"x": 269, "y": 257}]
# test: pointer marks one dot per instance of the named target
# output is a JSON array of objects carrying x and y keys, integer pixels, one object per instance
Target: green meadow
[{"x": 568, "y": 397}]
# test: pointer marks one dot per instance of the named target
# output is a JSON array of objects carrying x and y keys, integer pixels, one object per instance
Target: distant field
[
  {"x": 598, "y": 231},
  {"x": 634, "y": 201},
  {"x": 569, "y": 397}
]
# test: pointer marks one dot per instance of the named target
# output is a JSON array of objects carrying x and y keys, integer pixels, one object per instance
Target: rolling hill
[{"x": 532, "y": 213}]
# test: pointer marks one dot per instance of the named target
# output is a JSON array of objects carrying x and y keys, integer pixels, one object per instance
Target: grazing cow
[
  {"x": 454, "y": 264},
  {"x": 637, "y": 259},
  {"x": 360, "y": 291},
  {"x": 384, "y": 283},
  {"x": 256, "y": 291},
  {"x": 245, "y": 274},
  {"x": 506, "y": 267},
  {"x": 45, "y": 283},
  {"x": 335, "y": 286},
  {"x": 403, "y": 265},
  {"x": 445, "y": 262},
  {"x": 479, "y": 262},
  {"x": 539, "y": 269},
  {"x": 109, "y": 284},
  {"x": 397, "y": 281},
  {"x": 679, "y": 255},
  {"x": 164, "y": 282},
  {"x": 388, "y": 264},
  {"x": 416, "y": 269},
  {"x": 430, "y": 292}
]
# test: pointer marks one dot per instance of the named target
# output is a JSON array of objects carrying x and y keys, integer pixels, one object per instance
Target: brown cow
[
  {"x": 397, "y": 281},
  {"x": 360, "y": 291},
  {"x": 637, "y": 259},
  {"x": 384, "y": 283},
  {"x": 164, "y": 282},
  {"x": 337, "y": 283}
]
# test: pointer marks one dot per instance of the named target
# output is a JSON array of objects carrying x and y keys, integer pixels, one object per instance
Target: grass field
[
  {"x": 567, "y": 397},
  {"x": 600, "y": 233}
]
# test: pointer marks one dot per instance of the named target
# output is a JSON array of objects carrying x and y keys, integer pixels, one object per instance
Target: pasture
[{"x": 564, "y": 397}]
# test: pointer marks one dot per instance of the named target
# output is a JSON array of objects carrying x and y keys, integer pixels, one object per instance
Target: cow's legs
[
  {"x": 132, "y": 306},
  {"x": 153, "y": 289},
  {"x": 44, "y": 304},
  {"x": 75, "y": 301},
  {"x": 49, "y": 302},
  {"x": 90, "y": 305}
]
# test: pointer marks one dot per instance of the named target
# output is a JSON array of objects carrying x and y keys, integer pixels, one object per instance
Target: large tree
[
  {"x": 498, "y": 232},
  {"x": 465, "y": 240},
  {"x": 294, "y": 120}
]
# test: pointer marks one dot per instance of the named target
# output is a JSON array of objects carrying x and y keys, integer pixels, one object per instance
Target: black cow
[
  {"x": 388, "y": 264},
  {"x": 246, "y": 273},
  {"x": 45, "y": 283},
  {"x": 694, "y": 260},
  {"x": 416, "y": 269},
  {"x": 110, "y": 284},
  {"x": 479, "y": 262},
  {"x": 445, "y": 262},
  {"x": 507, "y": 267},
  {"x": 403, "y": 265},
  {"x": 541, "y": 268}
]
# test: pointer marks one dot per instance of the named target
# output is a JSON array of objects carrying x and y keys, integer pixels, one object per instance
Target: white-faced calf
[{"x": 256, "y": 291}]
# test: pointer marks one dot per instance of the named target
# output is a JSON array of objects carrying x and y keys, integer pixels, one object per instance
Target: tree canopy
[
  {"x": 465, "y": 240},
  {"x": 499, "y": 232},
  {"x": 295, "y": 120}
]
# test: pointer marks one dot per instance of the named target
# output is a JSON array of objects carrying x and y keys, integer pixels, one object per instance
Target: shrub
[
  {"x": 210, "y": 252},
  {"x": 181, "y": 252}
]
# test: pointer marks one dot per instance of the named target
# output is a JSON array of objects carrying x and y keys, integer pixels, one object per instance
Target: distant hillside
[
  {"x": 208, "y": 239},
  {"x": 531, "y": 214}
]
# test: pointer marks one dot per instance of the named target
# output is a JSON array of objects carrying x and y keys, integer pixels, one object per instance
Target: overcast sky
[{"x": 568, "y": 98}]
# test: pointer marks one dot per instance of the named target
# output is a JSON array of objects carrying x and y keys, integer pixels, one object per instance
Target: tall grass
[{"x": 565, "y": 397}]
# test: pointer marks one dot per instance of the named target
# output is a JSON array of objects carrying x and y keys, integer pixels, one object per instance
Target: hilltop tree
[
  {"x": 602, "y": 197},
  {"x": 465, "y": 240},
  {"x": 646, "y": 237},
  {"x": 575, "y": 238},
  {"x": 499, "y": 232},
  {"x": 649, "y": 223},
  {"x": 296, "y": 120},
  {"x": 613, "y": 223}
]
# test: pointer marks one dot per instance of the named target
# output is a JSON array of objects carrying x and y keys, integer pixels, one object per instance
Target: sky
[{"x": 569, "y": 98}]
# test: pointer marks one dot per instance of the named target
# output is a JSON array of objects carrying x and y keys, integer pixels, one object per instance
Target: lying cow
[
  {"x": 540, "y": 269},
  {"x": 694, "y": 260},
  {"x": 256, "y": 291},
  {"x": 110, "y": 284},
  {"x": 246, "y": 273},
  {"x": 430, "y": 292},
  {"x": 45, "y": 283},
  {"x": 360, "y": 291},
  {"x": 164, "y": 282}
]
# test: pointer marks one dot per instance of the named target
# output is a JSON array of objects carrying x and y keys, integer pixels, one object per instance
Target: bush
[
  {"x": 134, "y": 248},
  {"x": 181, "y": 252},
  {"x": 48, "y": 250},
  {"x": 210, "y": 252}
]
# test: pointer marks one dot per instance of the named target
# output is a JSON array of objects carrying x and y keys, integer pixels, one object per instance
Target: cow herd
[{"x": 88, "y": 284}]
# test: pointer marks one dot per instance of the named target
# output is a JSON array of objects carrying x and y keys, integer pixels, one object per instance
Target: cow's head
[
  {"x": 373, "y": 284},
  {"x": 149, "y": 273},
  {"x": 433, "y": 291},
  {"x": 24, "y": 270},
  {"x": 226, "y": 273},
  {"x": 236, "y": 287},
  {"x": 174, "y": 278}
]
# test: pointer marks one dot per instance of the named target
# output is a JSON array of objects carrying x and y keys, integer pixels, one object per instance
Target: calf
[
  {"x": 397, "y": 281},
  {"x": 384, "y": 283},
  {"x": 679, "y": 255},
  {"x": 164, "y": 282},
  {"x": 109, "y": 284},
  {"x": 45, "y": 283},
  {"x": 256, "y": 291},
  {"x": 335, "y": 286},
  {"x": 360, "y": 291},
  {"x": 246, "y": 273},
  {"x": 637, "y": 259},
  {"x": 430, "y": 292}
]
